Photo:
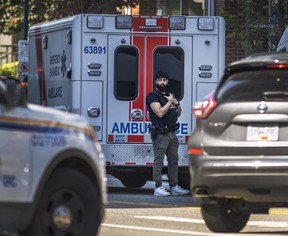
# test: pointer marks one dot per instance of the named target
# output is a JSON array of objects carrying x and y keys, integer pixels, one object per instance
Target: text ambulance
[{"x": 102, "y": 67}]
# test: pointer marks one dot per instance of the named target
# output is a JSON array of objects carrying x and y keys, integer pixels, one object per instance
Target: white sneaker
[
  {"x": 161, "y": 192},
  {"x": 177, "y": 190}
]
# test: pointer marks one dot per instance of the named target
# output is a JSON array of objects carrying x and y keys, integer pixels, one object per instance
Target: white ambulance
[
  {"x": 52, "y": 172},
  {"x": 103, "y": 66}
]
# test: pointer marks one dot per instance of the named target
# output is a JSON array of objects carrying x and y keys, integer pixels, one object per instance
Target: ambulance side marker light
[
  {"x": 45, "y": 42},
  {"x": 194, "y": 151},
  {"x": 69, "y": 36},
  {"x": 95, "y": 22}
]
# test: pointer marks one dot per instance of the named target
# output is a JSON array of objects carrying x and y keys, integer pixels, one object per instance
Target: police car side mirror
[{"x": 12, "y": 94}]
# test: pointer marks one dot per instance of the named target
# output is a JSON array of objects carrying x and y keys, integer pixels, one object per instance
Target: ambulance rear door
[
  {"x": 135, "y": 67},
  {"x": 175, "y": 59},
  {"x": 123, "y": 123},
  {"x": 93, "y": 79}
]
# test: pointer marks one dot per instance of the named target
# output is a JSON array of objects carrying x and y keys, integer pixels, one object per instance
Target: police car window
[
  {"x": 126, "y": 72},
  {"x": 171, "y": 60}
]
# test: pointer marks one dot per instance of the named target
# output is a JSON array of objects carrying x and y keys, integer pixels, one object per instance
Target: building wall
[
  {"x": 6, "y": 53},
  {"x": 148, "y": 7},
  {"x": 233, "y": 50}
]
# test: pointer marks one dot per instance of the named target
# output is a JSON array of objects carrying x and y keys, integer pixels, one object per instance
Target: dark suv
[{"x": 238, "y": 150}]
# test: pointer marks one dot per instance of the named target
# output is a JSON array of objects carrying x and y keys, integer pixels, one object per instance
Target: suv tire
[
  {"x": 221, "y": 218},
  {"x": 68, "y": 193}
]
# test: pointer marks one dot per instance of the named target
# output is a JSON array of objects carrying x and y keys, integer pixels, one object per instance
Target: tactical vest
[{"x": 171, "y": 117}]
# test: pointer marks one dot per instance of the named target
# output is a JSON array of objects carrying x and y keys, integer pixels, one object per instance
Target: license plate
[{"x": 262, "y": 133}]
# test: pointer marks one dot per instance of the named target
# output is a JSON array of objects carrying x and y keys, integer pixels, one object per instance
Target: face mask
[{"x": 161, "y": 87}]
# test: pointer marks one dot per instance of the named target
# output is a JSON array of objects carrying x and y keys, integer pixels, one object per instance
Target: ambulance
[{"x": 103, "y": 66}]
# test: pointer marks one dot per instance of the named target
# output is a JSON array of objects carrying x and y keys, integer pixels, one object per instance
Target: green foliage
[
  {"x": 12, "y": 11},
  {"x": 10, "y": 69},
  {"x": 255, "y": 25}
]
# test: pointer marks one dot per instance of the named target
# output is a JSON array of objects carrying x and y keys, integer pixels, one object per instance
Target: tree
[
  {"x": 12, "y": 11},
  {"x": 256, "y": 25}
]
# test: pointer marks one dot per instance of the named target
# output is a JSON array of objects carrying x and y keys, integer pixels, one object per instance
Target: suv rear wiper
[{"x": 276, "y": 95}]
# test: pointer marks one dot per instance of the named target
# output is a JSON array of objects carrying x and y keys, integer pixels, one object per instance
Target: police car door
[{"x": 15, "y": 146}]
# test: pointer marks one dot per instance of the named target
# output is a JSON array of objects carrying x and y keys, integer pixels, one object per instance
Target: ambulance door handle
[
  {"x": 136, "y": 114},
  {"x": 93, "y": 111}
]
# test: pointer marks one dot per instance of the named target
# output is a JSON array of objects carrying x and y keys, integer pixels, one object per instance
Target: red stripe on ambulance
[
  {"x": 40, "y": 69},
  {"x": 126, "y": 138},
  {"x": 146, "y": 56}
]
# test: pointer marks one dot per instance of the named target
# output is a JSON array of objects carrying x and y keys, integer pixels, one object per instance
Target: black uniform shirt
[{"x": 170, "y": 118}]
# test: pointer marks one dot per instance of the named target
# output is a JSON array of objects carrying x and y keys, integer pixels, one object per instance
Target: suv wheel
[
  {"x": 69, "y": 206},
  {"x": 221, "y": 218}
]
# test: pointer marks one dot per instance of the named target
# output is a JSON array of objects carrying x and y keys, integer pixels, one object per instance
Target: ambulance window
[
  {"x": 171, "y": 60},
  {"x": 126, "y": 73}
]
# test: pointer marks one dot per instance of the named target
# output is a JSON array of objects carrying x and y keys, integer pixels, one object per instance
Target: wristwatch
[{"x": 177, "y": 105}]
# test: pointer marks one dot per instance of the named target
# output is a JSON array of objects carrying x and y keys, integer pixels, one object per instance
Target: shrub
[{"x": 10, "y": 69}]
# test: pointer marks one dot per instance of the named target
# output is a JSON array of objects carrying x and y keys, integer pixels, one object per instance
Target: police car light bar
[
  {"x": 123, "y": 22},
  {"x": 95, "y": 22},
  {"x": 177, "y": 23},
  {"x": 205, "y": 23}
]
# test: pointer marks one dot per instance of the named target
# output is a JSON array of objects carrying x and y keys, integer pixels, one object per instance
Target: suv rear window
[{"x": 261, "y": 85}]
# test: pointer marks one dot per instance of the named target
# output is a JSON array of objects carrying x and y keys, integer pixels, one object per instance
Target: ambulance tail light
[
  {"x": 203, "y": 109},
  {"x": 123, "y": 22}
]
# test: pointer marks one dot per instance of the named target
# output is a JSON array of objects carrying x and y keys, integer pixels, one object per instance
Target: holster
[
  {"x": 153, "y": 132},
  {"x": 163, "y": 130},
  {"x": 168, "y": 128}
]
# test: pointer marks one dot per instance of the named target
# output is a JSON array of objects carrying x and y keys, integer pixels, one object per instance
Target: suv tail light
[
  {"x": 203, "y": 109},
  {"x": 277, "y": 66}
]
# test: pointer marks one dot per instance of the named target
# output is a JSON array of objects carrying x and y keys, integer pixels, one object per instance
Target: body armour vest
[{"x": 169, "y": 119}]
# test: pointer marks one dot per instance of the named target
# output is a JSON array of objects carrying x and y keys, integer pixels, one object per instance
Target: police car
[{"x": 52, "y": 170}]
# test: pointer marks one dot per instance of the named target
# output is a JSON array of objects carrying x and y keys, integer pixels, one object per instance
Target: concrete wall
[{"x": 8, "y": 50}]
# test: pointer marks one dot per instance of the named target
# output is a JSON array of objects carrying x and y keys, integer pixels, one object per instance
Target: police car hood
[{"x": 51, "y": 114}]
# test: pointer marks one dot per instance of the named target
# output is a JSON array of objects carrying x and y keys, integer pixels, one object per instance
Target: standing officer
[{"x": 164, "y": 111}]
